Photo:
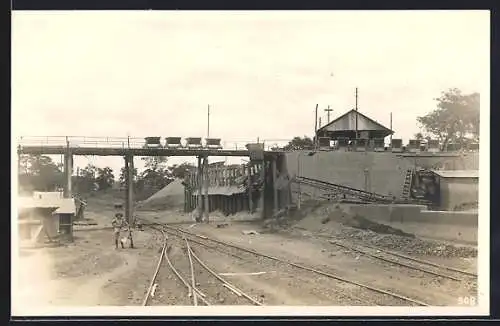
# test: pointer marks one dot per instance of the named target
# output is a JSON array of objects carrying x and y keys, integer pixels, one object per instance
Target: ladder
[{"x": 407, "y": 185}]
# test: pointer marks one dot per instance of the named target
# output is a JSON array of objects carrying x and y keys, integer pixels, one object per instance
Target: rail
[
  {"x": 340, "y": 189},
  {"x": 193, "y": 291},
  {"x": 134, "y": 142},
  {"x": 310, "y": 269}
]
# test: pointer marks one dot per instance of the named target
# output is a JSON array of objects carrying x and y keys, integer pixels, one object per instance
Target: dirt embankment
[{"x": 335, "y": 220}]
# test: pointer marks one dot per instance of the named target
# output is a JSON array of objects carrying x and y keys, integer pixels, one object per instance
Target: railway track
[
  {"x": 193, "y": 287},
  {"x": 407, "y": 261},
  {"x": 203, "y": 239}
]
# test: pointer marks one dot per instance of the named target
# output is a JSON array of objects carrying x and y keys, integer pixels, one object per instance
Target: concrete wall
[
  {"x": 458, "y": 227},
  {"x": 385, "y": 171},
  {"x": 457, "y": 191}
]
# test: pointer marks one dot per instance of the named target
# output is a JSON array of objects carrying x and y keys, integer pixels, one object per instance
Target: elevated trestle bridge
[{"x": 129, "y": 147}]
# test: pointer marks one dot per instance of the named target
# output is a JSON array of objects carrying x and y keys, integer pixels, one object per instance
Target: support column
[
  {"x": 249, "y": 181},
  {"x": 68, "y": 171},
  {"x": 206, "y": 179},
  {"x": 127, "y": 185},
  {"x": 263, "y": 192},
  {"x": 275, "y": 188},
  {"x": 131, "y": 190},
  {"x": 199, "y": 212}
]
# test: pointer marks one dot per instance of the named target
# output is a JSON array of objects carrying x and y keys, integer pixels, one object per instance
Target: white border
[{"x": 483, "y": 263}]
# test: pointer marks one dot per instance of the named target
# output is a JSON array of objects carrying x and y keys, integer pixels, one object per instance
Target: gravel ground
[{"x": 91, "y": 272}]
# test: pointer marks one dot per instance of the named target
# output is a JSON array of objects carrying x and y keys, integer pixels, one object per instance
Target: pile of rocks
[{"x": 406, "y": 244}]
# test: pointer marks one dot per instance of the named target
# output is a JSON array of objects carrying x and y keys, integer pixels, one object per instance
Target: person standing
[{"x": 118, "y": 223}]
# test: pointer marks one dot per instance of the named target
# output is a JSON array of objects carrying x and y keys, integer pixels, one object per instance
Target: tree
[
  {"x": 155, "y": 162},
  {"x": 181, "y": 170},
  {"x": 39, "y": 172},
  {"x": 298, "y": 143},
  {"x": 123, "y": 177},
  {"x": 87, "y": 181},
  {"x": 156, "y": 179},
  {"x": 455, "y": 119},
  {"x": 105, "y": 178},
  {"x": 155, "y": 176}
]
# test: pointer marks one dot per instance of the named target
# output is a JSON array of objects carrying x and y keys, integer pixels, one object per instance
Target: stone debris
[
  {"x": 153, "y": 290},
  {"x": 249, "y": 232}
]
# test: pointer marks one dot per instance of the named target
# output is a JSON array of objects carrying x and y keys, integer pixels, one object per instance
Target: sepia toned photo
[{"x": 250, "y": 162}]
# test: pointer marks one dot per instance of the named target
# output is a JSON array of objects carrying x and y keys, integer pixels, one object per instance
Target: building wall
[
  {"x": 385, "y": 171},
  {"x": 457, "y": 191}
]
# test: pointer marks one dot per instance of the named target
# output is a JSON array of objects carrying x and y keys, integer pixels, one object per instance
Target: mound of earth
[
  {"x": 337, "y": 223},
  {"x": 171, "y": 196}
]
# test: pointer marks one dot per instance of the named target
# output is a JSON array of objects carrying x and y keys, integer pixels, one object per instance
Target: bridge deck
[{"x": 100, "y": 151}]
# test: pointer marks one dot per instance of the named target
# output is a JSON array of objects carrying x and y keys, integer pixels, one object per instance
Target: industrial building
[
  {"x": 354, "y": 128},
  {"x": 458, "y": 189}
]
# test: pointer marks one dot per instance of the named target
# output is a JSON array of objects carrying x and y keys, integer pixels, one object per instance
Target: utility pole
[
  {"x": 390, "y": 137},
  {"x": 356, "y": 107},
  {"x": 328, "y": 113},
  {"x": 316, "y": 120},
  {"x": 316, "y": 127},
  {"x": 208, "y": 122}
]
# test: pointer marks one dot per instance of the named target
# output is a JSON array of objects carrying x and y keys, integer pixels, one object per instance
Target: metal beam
[
  {"x": 199, "y": 211},
  {"x": 100, "y": 151},
  {"x": 68, "y": 171},
  {"x": 250, "y": 200},
  {"x": 130, "y": 192},
  {"x": 206, "y": 180},
  {"x": 275, "y": 188},
  {"x": 127, "y": 186}
]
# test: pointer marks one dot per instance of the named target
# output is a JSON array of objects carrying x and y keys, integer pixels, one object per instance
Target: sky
[{"x": 153, "y": 73}]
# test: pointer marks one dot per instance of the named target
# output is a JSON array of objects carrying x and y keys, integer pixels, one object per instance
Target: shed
[
  {"x": 45, "y": 215},
  {"x": 457, "y": 188},
  {"x": 344, "y": 128}
]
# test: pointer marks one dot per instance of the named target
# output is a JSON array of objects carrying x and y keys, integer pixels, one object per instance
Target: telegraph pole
[
  {"x": 356, "y": 107},
  {"x": 316, "y": 127},
  {"x": 208, "y": 122},
  {"x": 391, "y": 132},
  {"x": 328, "y": 113}
]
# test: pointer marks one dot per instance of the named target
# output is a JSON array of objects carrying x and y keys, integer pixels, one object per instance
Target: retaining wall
[
  {"x": 385, "y": 171},
  {"x": 440, "y": 225}
]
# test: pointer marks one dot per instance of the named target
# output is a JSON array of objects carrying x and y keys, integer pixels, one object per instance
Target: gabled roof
[{"x": 347, "y": 121}]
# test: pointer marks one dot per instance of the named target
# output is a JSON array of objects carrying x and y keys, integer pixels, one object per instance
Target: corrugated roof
[
  {"x": 347, "y": 122},
  {"x": 67, "y": 206},
  {"x": 225, "y": 191},
  {"x": 61, "y": 205},
  {"x": 457, "y": 173}
]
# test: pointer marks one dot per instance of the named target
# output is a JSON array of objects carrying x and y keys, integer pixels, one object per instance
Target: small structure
[
  {"x": 213, "y": 143},
  {"x": 152, "y": 142},
  {"x": 193, "y": 142},
  {"x": 173, "y": 142},
  {"x": 433, "y": 145},
  {"x": 45, "y": 217},
  {"x": 397, "y": 145},
  {"x": 457, "y": 188},
  {"x": 354, "y": 128}
]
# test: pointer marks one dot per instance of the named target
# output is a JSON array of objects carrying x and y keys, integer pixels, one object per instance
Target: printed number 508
[{"x": 469, "y": 301}]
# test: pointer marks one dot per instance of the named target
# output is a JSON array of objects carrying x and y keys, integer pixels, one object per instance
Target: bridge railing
[{"x": 132, "y": 142}]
